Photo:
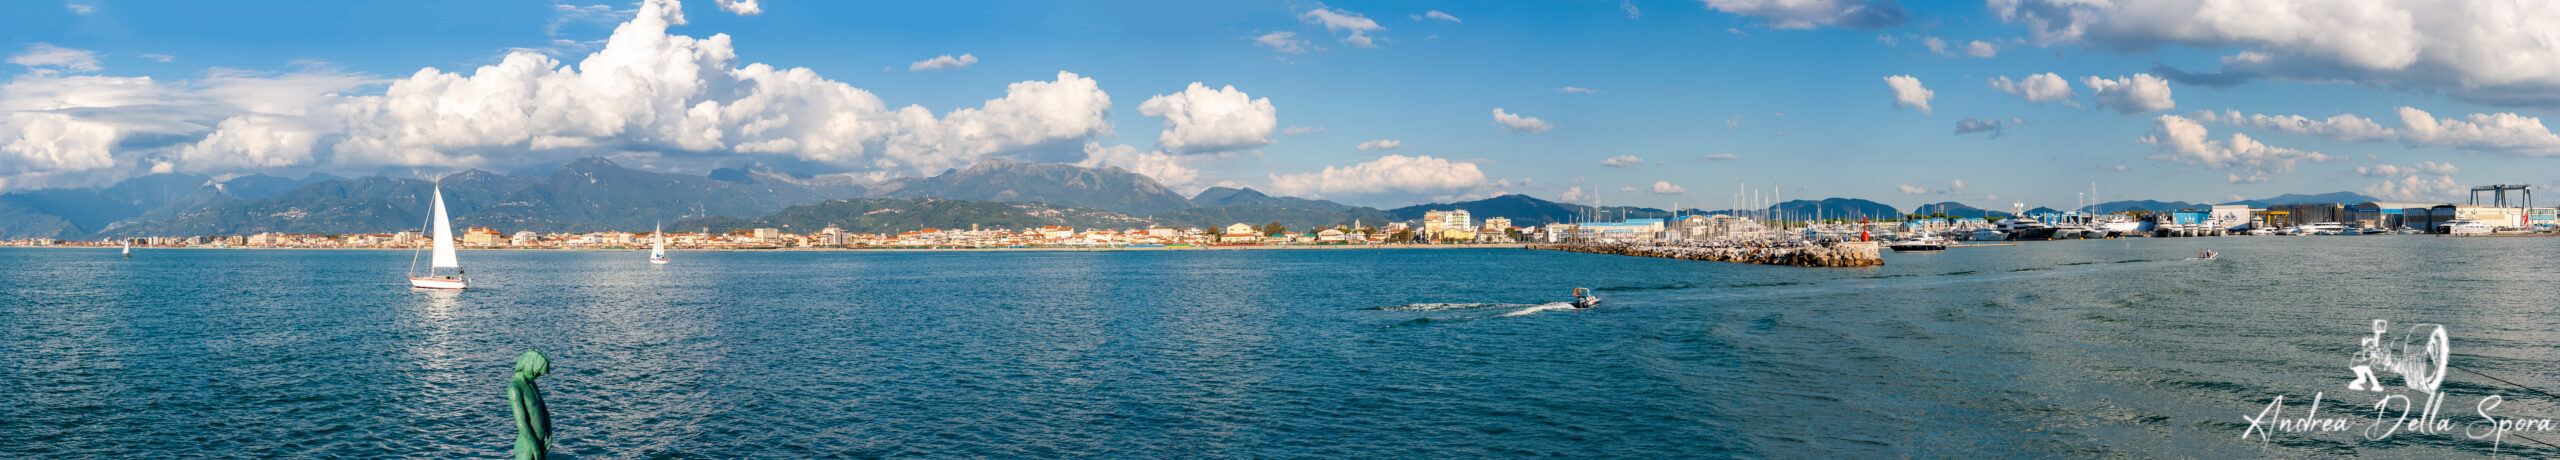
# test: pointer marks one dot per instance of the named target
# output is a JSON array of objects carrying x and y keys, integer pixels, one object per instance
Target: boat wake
[
  {"x": 1539, "y": 308},
  {"x": 1445, "y": 306}
]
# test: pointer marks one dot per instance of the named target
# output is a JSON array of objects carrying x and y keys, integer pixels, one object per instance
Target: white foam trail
[
  {"x": 1540, "y": 308},
  {"x": 1439, "y": 306}
]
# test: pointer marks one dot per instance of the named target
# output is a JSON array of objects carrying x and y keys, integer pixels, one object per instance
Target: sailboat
[
  {"x": 128, "y": 249},
  {"x": 444, "y": 257},
  {"x": 658, "y": 248}
]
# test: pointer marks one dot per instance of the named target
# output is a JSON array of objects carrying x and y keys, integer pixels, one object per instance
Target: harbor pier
[{"x": 1840, "y": 254}]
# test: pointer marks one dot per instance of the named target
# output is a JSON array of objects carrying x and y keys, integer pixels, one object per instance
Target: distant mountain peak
[
  {"x": 590, "y": 163},
  {"x": 996, "y": 179}
]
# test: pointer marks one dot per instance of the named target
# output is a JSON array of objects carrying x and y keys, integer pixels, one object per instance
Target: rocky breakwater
[{"x": 1840, "y": 254}]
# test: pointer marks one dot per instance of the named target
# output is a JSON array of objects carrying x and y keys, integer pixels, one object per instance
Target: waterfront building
[
  {"x": 768, "y": 234},
  {"x": 480, "y": 236},
  {"x": 1329, "y": 235},
  {"x": 1240, "y": 233},
  {"x": 2496, "y": 217},
  {"x": 2299, "y": 214},
  {"x": 2385, "y": 214},
  {"x": 1497, "y": 224},
  {"x": 1440, "y": 222},
  {"x": 1631, "y": 229},
  {"x": 2231, "y": 216}
]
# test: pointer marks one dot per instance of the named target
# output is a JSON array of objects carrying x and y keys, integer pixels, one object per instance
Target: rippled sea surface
[{"x": 2115, "y": 348}]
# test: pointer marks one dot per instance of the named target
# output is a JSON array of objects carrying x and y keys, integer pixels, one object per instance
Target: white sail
[
  {"x": 658, "y": 249},
  {"x": 128, "y": 247},
  {"x": 444, "y": 257}
]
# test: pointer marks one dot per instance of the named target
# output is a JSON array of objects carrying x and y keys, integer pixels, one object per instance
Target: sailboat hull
[
  {"x": 435, "y": 283},
  {"x": 658, "y": 261}
]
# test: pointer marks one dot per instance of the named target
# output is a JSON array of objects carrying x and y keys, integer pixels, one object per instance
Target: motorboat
[
  {"x": 1989, "y": 234},
  {"x": 1583, "y": 298},
  {"x": 2074, "y": 232},
  {"x": 2468, "y": 227},
  {"x": 2117, "y": 226},
  {"x": 1923, "y": 244},
  {"x": 2026, "y": 229}
]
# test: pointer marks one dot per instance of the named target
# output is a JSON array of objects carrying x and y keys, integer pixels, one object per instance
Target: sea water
[{"x": 2046, "y": 349}]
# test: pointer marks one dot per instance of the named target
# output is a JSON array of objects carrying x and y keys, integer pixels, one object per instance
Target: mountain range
[{"x": 594, "y": 194}]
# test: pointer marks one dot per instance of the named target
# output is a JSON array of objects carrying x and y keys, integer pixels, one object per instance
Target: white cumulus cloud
[
  {"x": 1421, "y": 175},
  {"x": 1981, "y": 49},
  {"x": 1665, "y": 188},
  {"x": 1907, "y": 189},
  {"x": 1577, "y": 90},
  {"x": 741, "y": 7},
  {"x": 2505, "y": 133},
  {"x": 2426, "y": 180},
  {"x": 1907, "y": 92},
  {"x": 2039, "y": 88},
  {"x": 2495, "y": 52},
  {"x": 2140, "y": 93},
  {"x": 1518, "y": 123},
  {"x": 942, "y": 62},
  {"x": 1805, "y": 14},
  {"x": 1204, "y": 120},
  {"x": 2184, "y": 141},
  {"x": 1622, "y": 161},
  {"x": 644, "y": 90},
  {"x": 1174, "y": 171},
  {"x": 1436, "y": 14},
  {"x": 1381, "y": 144}
]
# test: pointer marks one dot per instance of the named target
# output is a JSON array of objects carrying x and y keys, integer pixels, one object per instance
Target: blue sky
[{"x": 1783, "y": 96}]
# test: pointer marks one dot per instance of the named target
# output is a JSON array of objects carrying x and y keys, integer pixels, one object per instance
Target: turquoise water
[{"x": 2072, "y": 349}]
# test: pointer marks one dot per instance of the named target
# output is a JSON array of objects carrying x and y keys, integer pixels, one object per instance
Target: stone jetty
[{"x": 1839, "y": 254}]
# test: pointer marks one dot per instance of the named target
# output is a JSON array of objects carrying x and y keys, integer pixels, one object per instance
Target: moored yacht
[
  {"x": 2022, "y": 228},
  {"x": 1922, "y": 244}
]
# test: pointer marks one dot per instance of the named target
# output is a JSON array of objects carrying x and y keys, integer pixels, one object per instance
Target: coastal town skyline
[{"x": 1638, "y": 103}]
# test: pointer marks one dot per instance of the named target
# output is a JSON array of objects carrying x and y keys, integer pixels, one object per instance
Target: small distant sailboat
[
  {"x": 658, "y": 247},
  {"x": 128, "y": 249},
  {"x": 444, "y": 253}
]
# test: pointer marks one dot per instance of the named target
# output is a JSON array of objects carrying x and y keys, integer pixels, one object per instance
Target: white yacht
[
  {"x": 2023, "y": 228},
  {"x": 2467, "y": 227}
]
